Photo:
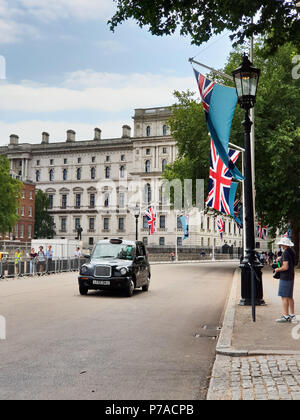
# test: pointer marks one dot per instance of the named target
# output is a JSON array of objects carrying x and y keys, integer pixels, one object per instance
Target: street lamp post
[
  {"x": 246, "y": 78},
  {"x": 137, "y": 215}
]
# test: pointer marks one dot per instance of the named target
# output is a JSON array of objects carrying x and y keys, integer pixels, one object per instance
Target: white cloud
[
  {"x": 31, "y": 131},
  {"x": 64, "y": 9},
  {"x": 88, "y": 90}
]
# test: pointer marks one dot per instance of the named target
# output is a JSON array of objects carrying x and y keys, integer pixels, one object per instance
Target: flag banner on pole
[
  {"x": 221, "y": 194},
  {"x": 288, "y": 234},
  {"x": 261, "y": 230},
  {"x": 185, "y": 225},
  {"x": 151, "y": 217},
  {"x": 238, "y": 213},
  {"x": 220, "y": 226},
  {"x": 219, "y": 103}
]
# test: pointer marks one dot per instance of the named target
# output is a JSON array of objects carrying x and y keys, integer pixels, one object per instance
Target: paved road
[{"x": 61, "y": 345}]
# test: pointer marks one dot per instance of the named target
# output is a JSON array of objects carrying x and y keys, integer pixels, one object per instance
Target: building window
[
  {"x": 121, "y": 223},
  {"x": 148, "y": 131},
  {"x": 29, "y": 231},
  {"x": 145, "y": 222},
  {"x": 64, "y": 201},
  {"x": 107, "y": 159},
  {"x": 78, "y": 201},
  {"x": 145, "y": 240},
  {"x": 51, "y": 162},
  {"x": 79, "y": 160},
  {"x": 30, "y": 211},
  {"x": 21, "y": 231},
  {"x": 147, "y": 194},
  {"x": 78, "y": 174},
  {"x": 65, "y": 174},
  {"x": 38, "y": 163},
  {"x": 179, "y": 241},
  {"x": 50, "y": 196},
  {"x": 91, "y": 241},
  {"x": 122, "y": 200},
  {"x": 162, "y": 222},
  {"x": 30, "y": 195},
  {"x": 122, "y": 171},
  {"x": 92, "y": 200},
  {"x": 161, "y": 241},
  {"x": 16, "y": 231},
  {"x": 51, "y": 175},
  {"x": 163, "y": 165},
  {"x": 63, "y": 224},
  {"x": 164, "y": 150},
  {"x": 107, "y": 172},
  {"x": 106, "y": 200},
  {"x": 122, "y": 158},
  {"x": 23, "y": 211},
  {"x": 77, "y": 223},
  {"x": 37, "y": 176},
  {"x": 106, "y": 223},
  {"x": 65, "y": 161},
  {"x": 208, "y": 223},
  {"x": 93, "y": 173},
  {"x": 93, "y": 159},
  {"x": 165, "y": 129},
  {"x": 147, "y": 166},
  {"x": 148, "y": 152},
  {"x": 91, "y": 223},
  {"x": 179, "y": 224},
  {"x": 23, "y": 193}
]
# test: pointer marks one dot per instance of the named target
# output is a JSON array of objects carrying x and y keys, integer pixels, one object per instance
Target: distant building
[{"x": 91, "y": 183}]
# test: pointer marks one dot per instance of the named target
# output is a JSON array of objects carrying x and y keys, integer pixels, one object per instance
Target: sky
[{"x": 64, "y": 69}]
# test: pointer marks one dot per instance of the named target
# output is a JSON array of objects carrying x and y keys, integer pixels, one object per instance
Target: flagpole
[
  {"x": 176, "y": 247},
  {"x": 219, "y": 72},
  {"x": 252, "y": 116}
]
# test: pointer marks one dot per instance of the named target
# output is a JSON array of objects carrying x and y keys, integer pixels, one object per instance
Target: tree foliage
[
  {"x": 277, "y": 138},
  {"x": 10, "y": 195},
  {"x": 44, "y": 224},
  {"x": 201, "y": 19}
]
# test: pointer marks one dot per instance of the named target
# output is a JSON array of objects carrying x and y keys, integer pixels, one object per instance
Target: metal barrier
[{"x": 9, "y": 268}]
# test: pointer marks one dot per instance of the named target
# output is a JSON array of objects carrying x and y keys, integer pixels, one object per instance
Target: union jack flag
[
  {"x": 220, "y": 178},
  {"x": 220, "y": 226},
  {"x": 261, "y": 230},
  {"x": 151, "y": 217},
  {"x": 206, "y": 89},
  {"x": 238, "y": 212}
]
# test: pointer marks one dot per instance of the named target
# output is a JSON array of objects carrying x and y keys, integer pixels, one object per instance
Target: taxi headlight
[
  {"x": 84, "y": 269},
  {"x": 123, "y": 271}
]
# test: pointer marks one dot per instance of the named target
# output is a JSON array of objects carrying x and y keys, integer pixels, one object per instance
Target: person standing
[
  {"x": 49, "y": 257},
  {"x": 286, "y": 284},
  {"x": 41, "y": 261},
  {"x": 32, "y": 257},
  {"x": 18, "y": 257}
]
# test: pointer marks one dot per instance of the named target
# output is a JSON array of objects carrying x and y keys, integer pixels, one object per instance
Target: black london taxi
[{"x": 116, "y": 264}]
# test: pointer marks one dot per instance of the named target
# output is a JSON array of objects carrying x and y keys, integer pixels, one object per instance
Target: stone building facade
[{"x": 97, "y": 184}]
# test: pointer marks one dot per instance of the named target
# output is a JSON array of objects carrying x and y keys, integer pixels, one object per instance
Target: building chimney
[
  {"x": 45, "y": 138},
  {"x": 71, "y": 136},
  {"x": 97, "y": 134},
  {"x": 14, "y": 139},
  {"x": 126, "y": 131}
]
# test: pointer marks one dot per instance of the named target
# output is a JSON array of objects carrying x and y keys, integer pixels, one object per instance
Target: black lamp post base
[{"x": 246, "y": 290}]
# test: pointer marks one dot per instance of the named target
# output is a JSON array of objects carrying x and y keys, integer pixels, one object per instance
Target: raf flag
[
  {"x": 219, "y": 104},
  {"x": 185, "y": 225},
  {"x": 221, "y": 190}
]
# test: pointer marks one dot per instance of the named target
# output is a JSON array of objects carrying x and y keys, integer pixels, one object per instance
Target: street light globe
[{"x": 246, "y": 78}]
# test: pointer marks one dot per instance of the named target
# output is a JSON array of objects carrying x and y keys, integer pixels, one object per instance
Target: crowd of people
[{"x": 40, "y": 262}]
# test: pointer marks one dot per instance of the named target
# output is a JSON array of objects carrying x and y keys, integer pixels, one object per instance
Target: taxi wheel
[
  {"x": 130, "y": 288},
  {"x": 83, "y": 290}
]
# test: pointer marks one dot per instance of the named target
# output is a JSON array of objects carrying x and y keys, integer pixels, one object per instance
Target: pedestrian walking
[
  {"x": 18, "y": 257},
  {"x": 49, "y": 257},
  {"x": 33, "y": 260},
  {"x": 41, "y": 261},
  {"x": 286, "y": 284}
]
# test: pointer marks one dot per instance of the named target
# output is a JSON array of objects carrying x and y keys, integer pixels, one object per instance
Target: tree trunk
[{"x": 295, "y": 238}]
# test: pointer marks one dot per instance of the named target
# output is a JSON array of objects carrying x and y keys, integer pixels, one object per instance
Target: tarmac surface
[{"x": 257, "y": 361}]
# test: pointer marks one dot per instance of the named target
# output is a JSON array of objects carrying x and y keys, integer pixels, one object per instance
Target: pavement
[{"x": 257, "y": 361}]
